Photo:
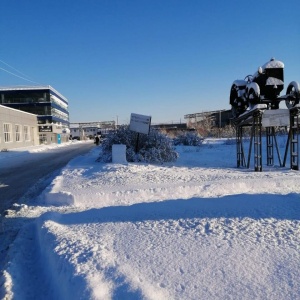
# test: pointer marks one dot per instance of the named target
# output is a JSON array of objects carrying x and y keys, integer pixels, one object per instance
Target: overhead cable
[
  {"x": 18, "y": 75},
  {"x": 24, "y": 76}
]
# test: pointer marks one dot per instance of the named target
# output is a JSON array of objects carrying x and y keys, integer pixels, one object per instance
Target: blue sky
[{"x": 160, "y": 58}]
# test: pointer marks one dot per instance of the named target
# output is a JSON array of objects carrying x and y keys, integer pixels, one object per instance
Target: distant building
[
  {"x": 215, "y": 119},
  {"x": 89, "y": 130},
  {"x": 170, "y": 127},
  {"x": 83, "y": 133},
  {"x": 49, "y": 105},
  {"x": 17, "y": 129}
]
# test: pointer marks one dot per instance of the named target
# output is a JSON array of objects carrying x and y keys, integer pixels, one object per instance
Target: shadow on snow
[{"x": 257, "y": 206}]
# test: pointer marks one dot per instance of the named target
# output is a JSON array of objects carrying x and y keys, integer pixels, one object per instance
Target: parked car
[{"x": 264, "y": 87}]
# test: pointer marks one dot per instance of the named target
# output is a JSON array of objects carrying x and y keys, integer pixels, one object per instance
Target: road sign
[{"x": 140, "y": 123}]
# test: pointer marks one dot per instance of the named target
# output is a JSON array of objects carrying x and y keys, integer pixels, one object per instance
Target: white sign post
[{"x": 139, "y": 124}]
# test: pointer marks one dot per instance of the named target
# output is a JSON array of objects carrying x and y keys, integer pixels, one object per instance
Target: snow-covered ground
[{"x": 196, "y": 229}]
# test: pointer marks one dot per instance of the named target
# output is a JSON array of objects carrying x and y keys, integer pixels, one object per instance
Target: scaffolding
[{"x": 257, "y": 119}]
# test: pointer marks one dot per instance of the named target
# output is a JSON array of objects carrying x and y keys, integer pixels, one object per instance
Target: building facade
[
  {"x": 48, "y": 104},
  {"x": 17, "y": 129}
]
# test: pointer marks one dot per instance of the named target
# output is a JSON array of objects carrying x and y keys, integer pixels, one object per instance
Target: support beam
[
  {"x": 257, "y": 143},
  {"x": 270, "y": 148},
  {"x": 252, "y": 118},
  {"x": 294, "y": 139}
]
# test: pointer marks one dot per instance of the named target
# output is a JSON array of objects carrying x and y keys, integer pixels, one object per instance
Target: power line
[
  {"x": 18, "y": 76},
  {"x": 14, "y": 68},
  {"x": 27, "y": 79}
]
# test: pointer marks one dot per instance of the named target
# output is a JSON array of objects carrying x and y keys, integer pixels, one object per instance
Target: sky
[
  {"x": 197, "y": 228},
  {"x": 165, "y": 59}
]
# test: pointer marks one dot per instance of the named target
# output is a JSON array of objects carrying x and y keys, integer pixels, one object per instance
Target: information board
[
  {"x": 276, "y": 117},
  {"x": 140, "y": 123},
  {"x": 45, "y": 128}
]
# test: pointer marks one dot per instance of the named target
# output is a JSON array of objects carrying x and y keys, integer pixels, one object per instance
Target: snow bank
[
  {"x": 54, "y": 195},
  {"x": 60, "y": 198},
  {"x": 195, "y": 229},
  {"x": 179, "y": 249}
]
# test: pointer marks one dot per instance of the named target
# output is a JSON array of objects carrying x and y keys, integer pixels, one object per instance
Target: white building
[
  {"x": 17, "y": 128},
  {"x": 83, "y": 133},
  {"x": 90, "y": 129}
]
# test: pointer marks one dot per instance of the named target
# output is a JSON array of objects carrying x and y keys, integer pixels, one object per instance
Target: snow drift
[{"x": 195, "y": 229}]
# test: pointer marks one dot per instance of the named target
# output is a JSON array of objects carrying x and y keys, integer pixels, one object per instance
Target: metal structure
[
  {"x": 261, "y": 94},
  {"x": 252, "y": 120},
  {"x": 294, "y": 137},
  {"x": 258, "y": 119}
]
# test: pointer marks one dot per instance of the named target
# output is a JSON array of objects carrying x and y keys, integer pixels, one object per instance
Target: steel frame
[
  {"x": 294, "y": 138},
  {"x": 253, "y": 119}
]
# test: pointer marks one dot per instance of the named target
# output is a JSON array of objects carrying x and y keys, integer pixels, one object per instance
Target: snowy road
[{"x": 24, "y": 171}]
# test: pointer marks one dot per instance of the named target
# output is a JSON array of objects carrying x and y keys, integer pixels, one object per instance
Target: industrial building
[
  {"x": 215, "y": 119},
  {"x": 50, "y": 107}
]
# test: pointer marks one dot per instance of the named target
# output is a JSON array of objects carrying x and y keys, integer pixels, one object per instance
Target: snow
[
  {"x": 256, "y": 89},
  {"x": 274, "y": 81},
  {"x": 198, "y": 228},
  {"x": 240, "y": 83},
  {"x": 254, "y": 107},
  {"x": 11, "y": 154},
  {"x": 273, "y": 64}
]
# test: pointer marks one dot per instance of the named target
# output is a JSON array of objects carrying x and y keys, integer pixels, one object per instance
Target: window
[
  {"x": 7, "y": 132},
  {"x": 43, "y": 138},
  {"x": 26, "y": 133},
  {"x": 18, "y": 132}
]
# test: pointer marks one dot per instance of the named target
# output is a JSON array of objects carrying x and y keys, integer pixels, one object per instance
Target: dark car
[{"x": 264, "y": 87}]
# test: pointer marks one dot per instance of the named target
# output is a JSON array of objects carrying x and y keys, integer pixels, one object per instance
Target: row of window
[
  {"x": 59, "y": 102},
  {"x": 21, "y": 133},
  {"x": 31, "y": 98},
  {"x": 20, "y": 97},
  {"x": 59, "y": 114}
]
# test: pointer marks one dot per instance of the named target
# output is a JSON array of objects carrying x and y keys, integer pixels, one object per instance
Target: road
[{"x": 32, "y": 170}]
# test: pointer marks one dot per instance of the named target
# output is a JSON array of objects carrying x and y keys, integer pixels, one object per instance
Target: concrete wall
[{"x": 17, "y": 120}]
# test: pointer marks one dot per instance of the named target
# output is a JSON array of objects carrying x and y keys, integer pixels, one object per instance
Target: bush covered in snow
[
  {"x": 154, "y": 147},
  {"x": 190, "y": 138}
]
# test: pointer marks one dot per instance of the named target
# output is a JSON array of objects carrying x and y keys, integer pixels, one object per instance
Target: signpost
[
  {"x": 45, "y": 128},
  {"x": 276, "y": 117},
  {"x": 139, "y": 124}
]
